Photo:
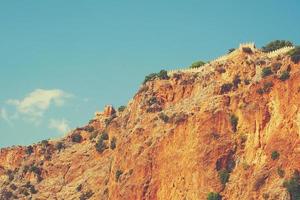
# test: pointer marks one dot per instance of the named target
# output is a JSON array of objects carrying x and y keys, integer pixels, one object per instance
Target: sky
[{"x": 60, "y": 61}]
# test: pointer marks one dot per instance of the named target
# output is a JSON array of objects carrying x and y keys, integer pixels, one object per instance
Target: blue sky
[{"x": 60, "y": 61}]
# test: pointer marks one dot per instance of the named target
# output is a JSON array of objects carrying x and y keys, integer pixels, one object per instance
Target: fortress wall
[
  {"x": 225, "y": 57},
  {"x": 279, "y": 51}
]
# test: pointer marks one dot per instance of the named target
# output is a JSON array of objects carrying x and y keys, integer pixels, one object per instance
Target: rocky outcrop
[{"x": 179, "y": 138}]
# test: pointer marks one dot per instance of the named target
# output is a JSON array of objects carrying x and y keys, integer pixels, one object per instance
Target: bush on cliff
[
  {"x": 267, "y": 71},
  {"x": 76, "y": 137},
  {"x": 284, "y": 76},
  {"x": 101, "y": 146},
  {"x": 214, "y": 196},
  {"x": 113, "y": 143},
  {"x": 224, "y": 176},
  {"x": 293, "y": 186},
  {"x": 162, "y": 75},
  {"x": 29, "y": 150},
  {"x": 118, "y": 174},
  {"x": 234, "y": 122},
  {"x": 276, "y": 44},
  {"x": 121, "y": 108},
  {"x": 226, "y": 87},
  {"x": 295, "y": 54},
  {"x": 197, "y": 64},
  {"x": 275, "y": 155}
]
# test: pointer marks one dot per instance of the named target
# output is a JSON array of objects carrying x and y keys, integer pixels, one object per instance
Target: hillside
[{"x": 230, "y": 127}]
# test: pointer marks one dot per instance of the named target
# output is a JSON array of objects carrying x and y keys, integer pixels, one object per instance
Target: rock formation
[{"x": 232, "y": 128}]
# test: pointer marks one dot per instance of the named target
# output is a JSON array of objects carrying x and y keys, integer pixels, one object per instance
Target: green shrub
[
  {"x": 284, "y": 76},
  {"x": 275, "y": 155},
  {"x": 79, "y": 188},
  {"x": 150, "y": 77},
  {"x": 225, "y": 88},
  {"x": 266, "y": 88},
  {"x": 113, "y": 142},
  {"x": 76, "y": 137},
  {"x": 234, "y": 122},
  {"x": 295, "y": 55},
  {"x": 104, "y": 136},
  {"x": 165, "y": 118},
  {"x": 86, "y": 195},
  {"x": 121, "y": 108},
  {"x": 267, "y": 71},
  {"x": 231, "y": 50},
  {"x": 35, "y": 170},
  {"x": 236, "y": 81},
  {"x": 280, "y": 172},
  {"x": 29, "y": 150},
  {"x": 260, "y": 91},
  {"x": 293, "y": 187},
  {"x": 163, "y": 75},
  {"x": 100, "y": 145},
  {"x": 276, "y": 44},
  {"x": 224, "y": 176},
  {"x": 246, "y": 81},
  {"x": 59, "y": 146},
  {"x": 197, "y": 64},
  {"x": 89, "y": 128},
  {"x": 214, "y": 196},
  {"x": 118, "y": 174},
  {"x": 45, "y": 143}
]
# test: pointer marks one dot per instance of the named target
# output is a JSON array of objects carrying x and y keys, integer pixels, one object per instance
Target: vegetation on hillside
[
  {"x": 197, "y": 64},
  {"x": 276, "y": 44}
]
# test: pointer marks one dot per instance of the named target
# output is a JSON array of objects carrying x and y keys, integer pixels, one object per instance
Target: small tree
[
  {"x": 45, "y": 143},
  {"x": 163, "y": 75},
  {"x": 121, "y": 108},
  {"x": 276, "y": 44},
  {"x": 29, "y": 150},
  {"x": 197, "y": 64},
  {"x": 293, "y": 187},
  {"x": 234, "y": 122},
  {"x": 280, "y": 172},
  {"x": 231, "y": 50},
  {"x": 226, "y": 87},
  {"x": 165, "y": 118},
  {"x": 101, "y": 146},
  {"x": 224, "y": 176},
  {"x": 267, "y": 71},
  {"x": 275, "y": 155},
  {"x": 118, "y": 174},
  {"x": 59, "y": 146},
  {"x": 113, "y": 142},
  {"x": 236, "y": 81},
  {"x": 214, "y": 196},
  {"x": 284, "y": 76},
  {"x": 104, "y": 136},
  {"x": 76, "y": 137}
]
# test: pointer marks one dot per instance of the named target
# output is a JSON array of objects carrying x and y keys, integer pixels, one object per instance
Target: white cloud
[
  {"x": 36, "y": 103},
  {"x": 60, "y": 125},
  {"x": 4, "y": 115}
]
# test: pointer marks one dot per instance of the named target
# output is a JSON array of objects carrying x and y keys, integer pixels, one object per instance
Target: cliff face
[{"x": 223, "y": 129}]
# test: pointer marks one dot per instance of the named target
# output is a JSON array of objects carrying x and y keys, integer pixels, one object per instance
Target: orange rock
[{"x": 173, "y": 139}]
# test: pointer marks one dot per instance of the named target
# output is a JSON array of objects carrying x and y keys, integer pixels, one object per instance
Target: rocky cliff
[{"x": 229, "y": 130}]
